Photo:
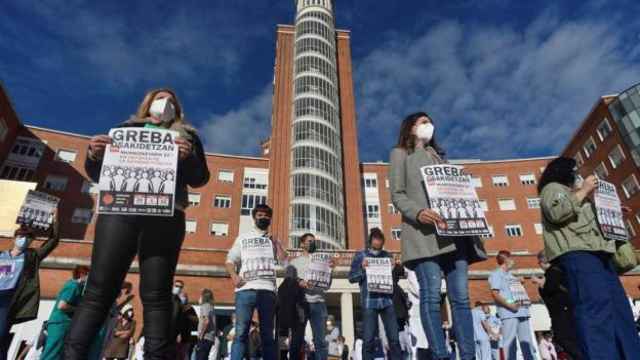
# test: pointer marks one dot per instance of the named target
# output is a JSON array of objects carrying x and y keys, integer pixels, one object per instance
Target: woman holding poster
[
  {"x": 574, "y": 241},
  {"x": 425, "y": 252},
  {"x": 156, "y": 240}
]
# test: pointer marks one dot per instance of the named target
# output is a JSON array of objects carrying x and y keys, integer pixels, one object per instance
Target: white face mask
[
  {"x": 22, "y": 242},
  {"x": 163, "y": 109},
  {"x": 176, "y": 290},
  {"x": 424, "y": 132}
]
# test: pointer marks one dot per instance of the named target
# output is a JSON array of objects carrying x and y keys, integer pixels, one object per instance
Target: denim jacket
[{"x": 358, "y": 275}]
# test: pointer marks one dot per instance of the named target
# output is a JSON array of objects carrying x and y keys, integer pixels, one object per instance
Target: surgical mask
[
  {"x": 183, "y": 299},
  {"x": 176, "y": 290},
  {"x": 163, "y": 109},
  {"x": 263, "y": 223},
  {"x": 22, "y": 242},
  {"x": 424, "y": 132}
]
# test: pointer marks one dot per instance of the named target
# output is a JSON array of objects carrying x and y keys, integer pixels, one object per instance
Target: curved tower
[{"x": 316, "y": 178}]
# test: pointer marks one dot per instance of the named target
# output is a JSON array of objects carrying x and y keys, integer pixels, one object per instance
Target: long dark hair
[
  {"x": 407, "y": 141},
  {"x": 559, "y": 170}
]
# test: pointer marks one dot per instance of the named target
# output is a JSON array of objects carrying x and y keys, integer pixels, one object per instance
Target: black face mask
[
  {"x": 263, "y": 223},
  {"x": 312, "y": 247}
]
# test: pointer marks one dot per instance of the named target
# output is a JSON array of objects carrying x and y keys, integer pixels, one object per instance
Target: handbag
[{"x": 625, "y": 258}]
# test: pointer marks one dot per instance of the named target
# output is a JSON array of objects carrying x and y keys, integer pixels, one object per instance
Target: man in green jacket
[{"x": 19, "y": 280}]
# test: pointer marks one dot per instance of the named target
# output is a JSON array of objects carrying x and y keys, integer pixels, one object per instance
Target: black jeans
[{"x": 157, "y": 242}]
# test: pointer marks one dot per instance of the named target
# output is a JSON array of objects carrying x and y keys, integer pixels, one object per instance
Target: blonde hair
[{"x": 143, "y": 109}]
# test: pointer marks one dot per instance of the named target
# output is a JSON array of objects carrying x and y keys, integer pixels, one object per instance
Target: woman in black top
[{"x": 155, "y": 240}]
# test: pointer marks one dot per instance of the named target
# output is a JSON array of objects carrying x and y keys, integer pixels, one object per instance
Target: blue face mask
[{"x": 22, "y": 242}]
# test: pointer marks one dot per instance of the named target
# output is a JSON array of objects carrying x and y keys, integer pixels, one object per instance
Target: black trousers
[{"x": 118, "y": 239}]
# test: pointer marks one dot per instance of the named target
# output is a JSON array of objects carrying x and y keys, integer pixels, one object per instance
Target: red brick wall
[{"x": 10, "y": 118}]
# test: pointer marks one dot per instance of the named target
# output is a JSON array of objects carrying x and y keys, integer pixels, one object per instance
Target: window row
[
  {"x": 215, "y": 229},
  {"x": 249, "y": 201},
  {"x": 315, "y": 85},
  {"x": 503, "y": 180},
  {"x": 253, "y": 183},
  {"x": 316, "y": 158},
  {"x": 314, "y": 131},
  {"x": 315, "y": 45},
  {"x": 318, "y": 65},
  {"x": 316, "y": 107},
  {"x": 219, "y": 201},
  {"x": 317, "y": 15},
  {"x": 311, "y": 26},
  {"x": 317, "y": 187},
  {"x": 603, "y": 131},
  {"x": 10, "y": 172},
  {"x": 312, "y": 218}
]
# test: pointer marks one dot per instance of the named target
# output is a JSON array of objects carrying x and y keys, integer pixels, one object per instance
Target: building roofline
[
  {"x": 478, "y": 161},
  {"x": 601, "y": 99},
  {"x": 247, "y": 157},
  {"x": 9, "y": 101}
]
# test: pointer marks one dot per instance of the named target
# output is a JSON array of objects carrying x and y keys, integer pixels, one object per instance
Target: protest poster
[
  {"x": 37, "y": 210},
  {"x": 452, "y": 195},
  {"x": 609, "y": 212},
  {"x": 518, "y": 292},
  {"x": 138, "y": 175},
  {"x": 379, "y": 275},
  {"x": 258, "y": 259},
  {"x": 318, "y": 272},
  {"x": 12, "y": 194}
]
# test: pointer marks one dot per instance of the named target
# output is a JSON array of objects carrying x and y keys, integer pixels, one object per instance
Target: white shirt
[{"x": 235, "y": 257}]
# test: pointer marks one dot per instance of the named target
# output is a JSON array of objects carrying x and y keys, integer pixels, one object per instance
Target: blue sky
[{"x": 501, "y": 78}]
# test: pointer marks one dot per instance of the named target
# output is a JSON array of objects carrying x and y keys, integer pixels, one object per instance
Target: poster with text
[
  {"x": 379, "y": 275},
  {"x": 318, "y": 273},
  {"x": 139, "y": 171},
  {"x": 609, "y": 212},
  {"x": 258, "y": 259},
  {"x": 37, "y": 210},
  {"x": 452, "y": 195}
]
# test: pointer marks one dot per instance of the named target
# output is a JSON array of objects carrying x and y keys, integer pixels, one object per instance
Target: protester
[
  {"x": 118, "y": 345},
  {"x": 331, "y": 339},
  {"x": 344, "y": 352},
  {"x": 482, "y": 332},
  {"x": 495, "y": 334},
  {"x": 20, "y": 288},
  {"x": 315, "y": 309},
  {"x": 553, "y": 291},
  {"x": 187, "y": 325},
  {"x": 106, "y": 332},
  {"x": 375, "y": 304},
  {"x": 291, "y": 318},
  {"x": 513, "y": 305},
  {"x": 60, "y": 319},
  {"x": 34, "y": 347},
  {"x": 256, "y": 294},
  {"x": 547, "y": 350},
  {"x": 420, "y": 345},
  {"x": 425, "y": 252},
  {"x": 574, "y": 241},
  {"x": 156, "y": 240},
  {"x": 206, "y": 325}
]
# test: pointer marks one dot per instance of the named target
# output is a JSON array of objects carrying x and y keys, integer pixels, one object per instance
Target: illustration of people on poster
[
  {"x": 37, "y": 210},
  {"x": 379, "y": 275},
  {"x": 318, "y": 273},
  {"x": 609, "y": 212},
  {"x": 258, "y": 259},
  {"x": 138, "y": 172},
  {"x": 453, "y": 196}
]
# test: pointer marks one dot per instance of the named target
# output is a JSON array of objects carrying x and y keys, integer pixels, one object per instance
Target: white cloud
[
  {"x": 241, "y": 130},
  {"x": 494, "y": 92}
]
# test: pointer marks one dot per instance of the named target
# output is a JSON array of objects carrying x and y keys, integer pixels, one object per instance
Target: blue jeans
[
  {"x": 246, "y": 302},
  {"x": 429, "y": 273},
  {"x": 390, "y": 323},
  {"x": 604, "y": 321},
  {"x": 514, "y": 331}
]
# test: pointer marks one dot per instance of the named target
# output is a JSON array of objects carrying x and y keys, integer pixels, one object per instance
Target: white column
[{"x": 346, "y": 312}]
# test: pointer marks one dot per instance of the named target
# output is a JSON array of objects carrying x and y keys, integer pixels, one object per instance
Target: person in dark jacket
[
  {"x": 553, "y": 291},
  {"x": 155, "y": 240},
  {"x": 289, "y": 312},
  {"x": 20, "y": 284}
]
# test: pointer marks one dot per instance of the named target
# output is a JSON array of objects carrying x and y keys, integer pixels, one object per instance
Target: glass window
[
  {"x": 370, "y": 183},
  {"x": 225, "y": 176},
  {"x": 528, "y": 179},
  {"x": 589, "y": 147},
  {"x": 393, "y": 210},
  {"x": 373, "y": 211},
  {"x": 396, "y": 233},
  {"x": 533, "y": 203},
  {"x": 630, "y": 186},
  {"x": 601, "y": 171},
  {"x": 476, "y": 181},
  {"x": 222, "y": 201},
  {"x": 191, "y": 226},
  {"x": 484, "y": 205},
  {"x": 538, "y": 228},
  {"x": 250, "y": 201},
  {"x": 56, "y": 183},
  {"x": 219, "y": 229},
  {"x": 194, "y": 199},
  {"x": 604, "y": 129},
  {"x": 500, "y": 180},
  {"x": 82, "y": 216},
  {"x": 506, "y": 204},
  {"x": 513, "y": 230},
  {"x": 67, "y": 156},
  {"x": 616, "y": 156}
]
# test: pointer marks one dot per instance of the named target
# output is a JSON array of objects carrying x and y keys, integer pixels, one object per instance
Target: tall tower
[{"x": 310, "y": 187}]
